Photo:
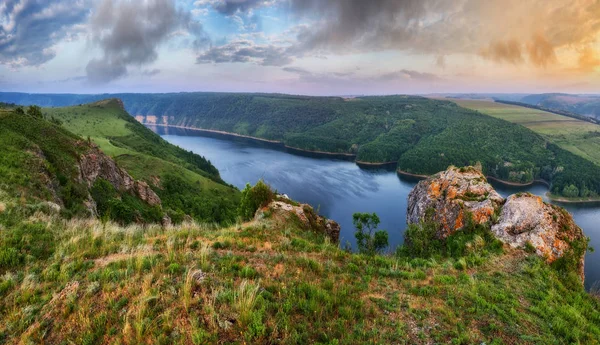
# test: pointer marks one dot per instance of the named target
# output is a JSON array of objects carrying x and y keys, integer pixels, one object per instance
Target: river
[{"x": 338, "y": 188}]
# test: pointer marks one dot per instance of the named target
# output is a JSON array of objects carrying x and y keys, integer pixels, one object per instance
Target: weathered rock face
[
  {"x": 451, "y": 193},
  {"x": 305, "y": 213},
  {"x": 526, "y": 218},
  {"x": 523, "y": 220},
  {"x": 95, "y": 164}
]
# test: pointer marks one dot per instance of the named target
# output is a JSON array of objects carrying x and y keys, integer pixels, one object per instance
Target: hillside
[
  {"x": 60, "y": 149},
  {"x": 422, "y": 135},
  {"x": 276, "y": 279},
  {"x": 586, "y": 105}
]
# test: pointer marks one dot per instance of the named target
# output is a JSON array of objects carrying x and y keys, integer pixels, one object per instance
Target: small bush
[{"x": 254, "y": 198}]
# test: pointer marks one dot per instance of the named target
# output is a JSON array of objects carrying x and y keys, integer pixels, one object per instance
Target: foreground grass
[
  {"x": 87, "y": 282},
  {"x": 579, "y": 137}
]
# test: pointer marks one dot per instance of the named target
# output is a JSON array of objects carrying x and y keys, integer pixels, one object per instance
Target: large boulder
[
  {"x": 309, "y": 219},
  {"x": 449, "y": 195},
  {"x": 526, "y": 220}
]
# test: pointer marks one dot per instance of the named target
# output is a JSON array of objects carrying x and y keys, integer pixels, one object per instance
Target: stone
[
  {"x": 450, "y": 194},
  {"x": 521, "y": 221},
  {"x": 527, "y": 219},
  {"x": 305, "y": 213},
  {"x": 95, "y": 164}
]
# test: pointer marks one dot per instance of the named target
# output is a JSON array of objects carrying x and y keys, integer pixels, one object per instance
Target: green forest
[{"x": 423, "y": 135}]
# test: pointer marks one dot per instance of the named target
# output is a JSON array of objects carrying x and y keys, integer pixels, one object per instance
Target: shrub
[
  {"x": 254, "y": 198},
  {"x": 369, "y": 240}
]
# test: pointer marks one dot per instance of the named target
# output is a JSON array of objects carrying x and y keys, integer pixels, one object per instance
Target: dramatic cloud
[
  {"x": 246, "y": 51},
  {"x": 231, "y": 7},
  {"x": 512, "y": 31},
  {"x": 129, "y": 32},
  {"x": 29, "y": 29}
]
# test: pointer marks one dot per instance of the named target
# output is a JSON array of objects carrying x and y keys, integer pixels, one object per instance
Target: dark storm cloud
[
  {"x": 246, "y": 51},
  {"x": 30, "y": 28},
  {"x": 231, "y": 7},
  {"x": 129, "y": 33}
]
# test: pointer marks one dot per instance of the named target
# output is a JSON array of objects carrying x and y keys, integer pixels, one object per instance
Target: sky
[{"x": 314, "y": 47}]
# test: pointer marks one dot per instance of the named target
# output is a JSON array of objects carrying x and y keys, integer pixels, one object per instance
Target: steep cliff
[{"x": 521, "y": 221}]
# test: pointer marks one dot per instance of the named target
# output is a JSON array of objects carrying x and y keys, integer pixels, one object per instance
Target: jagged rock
[
  {"x": 95, "y": 164},
  {"x": 451, "y": 193},
  {"x": 305, "y": 213},
  {"x": 551, "y": 230},
  {"x": 523, "y": 220}
]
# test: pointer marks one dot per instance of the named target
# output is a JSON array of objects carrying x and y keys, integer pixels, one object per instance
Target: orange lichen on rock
[{"x": 452, "y": 194}]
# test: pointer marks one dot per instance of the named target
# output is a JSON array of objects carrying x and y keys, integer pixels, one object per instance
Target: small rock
[
  {"x": 198, "y": 276},
  {"x": 166, "y": 221}
]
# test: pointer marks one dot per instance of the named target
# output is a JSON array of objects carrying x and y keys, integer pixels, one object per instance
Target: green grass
[
  {"x": 147, "y": 157},
  {"x": 86, "y": 282},
  {"x": 579, "y": 137}
]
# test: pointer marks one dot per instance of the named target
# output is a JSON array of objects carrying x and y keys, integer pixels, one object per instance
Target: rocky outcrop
[
  {"x": 308, "y": 218},
  {"x": 526, "y": 220},
  {"x": 521, "y": 221},
  {"x": 448, "y": 195},
  {"x": 95, "y": 164}
]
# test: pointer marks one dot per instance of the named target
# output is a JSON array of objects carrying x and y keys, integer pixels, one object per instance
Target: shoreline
[
  {"x": 374, "y": 164},
  {"x": 568, "y": 201},
  {"x": 345, "y": 156},
  {"x": 518, "y": 184},
  {"x": 268, "y": 141},
  {"x": 404, "y": 173}
]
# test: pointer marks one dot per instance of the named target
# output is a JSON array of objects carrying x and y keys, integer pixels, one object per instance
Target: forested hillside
[{"x": 422, "y": 135}]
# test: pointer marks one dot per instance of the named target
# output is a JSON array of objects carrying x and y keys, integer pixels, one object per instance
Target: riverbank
[
  {"x": 563, "y": 200},
  {"x": 279, "y": 144},
  {"x": 404, "y": 173},
  {"x": 519, "y": 184}
]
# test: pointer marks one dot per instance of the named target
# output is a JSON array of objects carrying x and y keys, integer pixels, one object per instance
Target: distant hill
[
  {"x": 586, "y": 105},
  {"x": 420, "y": 135}
]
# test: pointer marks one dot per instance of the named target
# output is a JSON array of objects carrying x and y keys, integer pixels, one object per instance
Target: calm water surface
[{"x": 339, "y": 188}]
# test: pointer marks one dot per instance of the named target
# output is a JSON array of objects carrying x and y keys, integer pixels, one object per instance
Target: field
[{"x": 579, "y": 137}]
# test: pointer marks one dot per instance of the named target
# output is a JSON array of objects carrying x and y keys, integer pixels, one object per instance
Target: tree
[
  {"x": 20, "y": 111},
  {"x": 370, "y": 240},
  {"x": 34, "y": 111},
  {"x": 254, "y": 198}
]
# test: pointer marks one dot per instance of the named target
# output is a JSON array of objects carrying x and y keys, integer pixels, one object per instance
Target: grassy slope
[
  {"x": 85, "y": 282},
  {"x": 148, "y": 157},
  {"x": 38, "y": 161},
  {"x": 579, "y": 137}
]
